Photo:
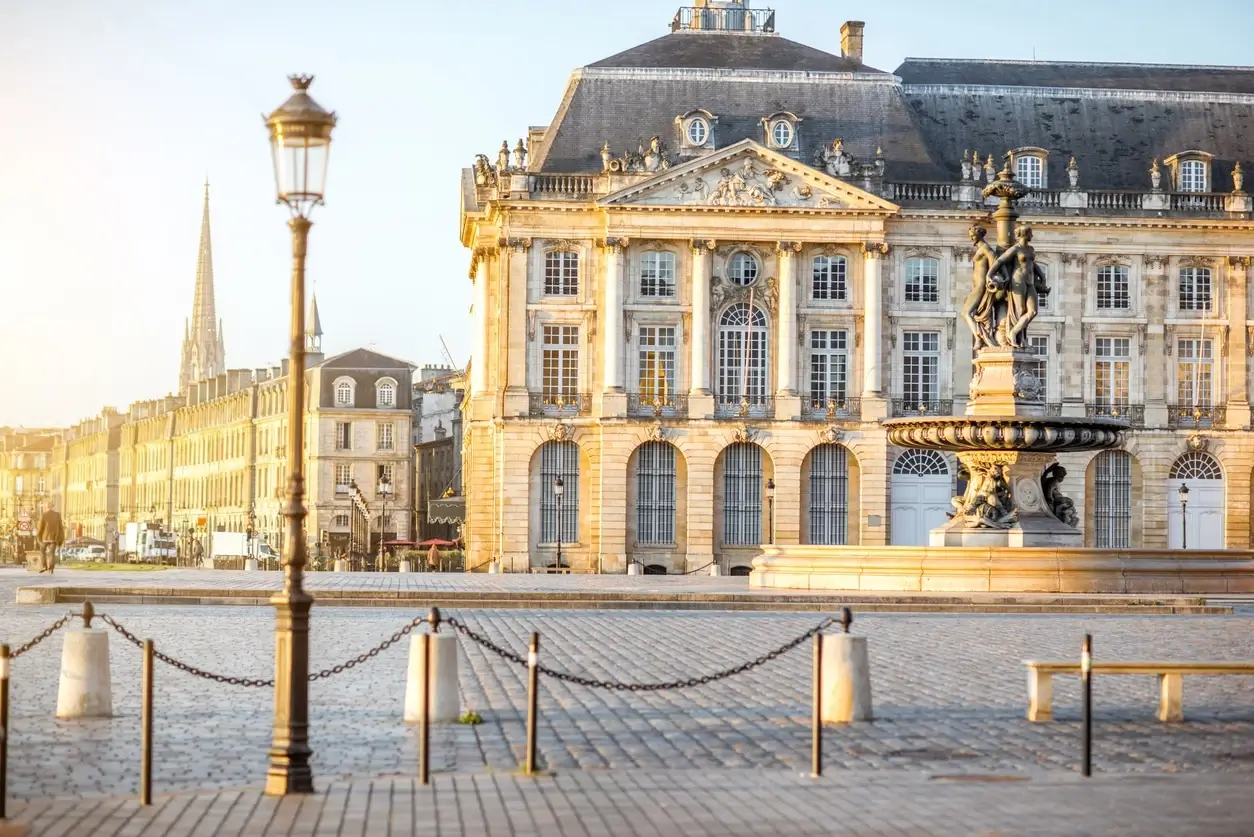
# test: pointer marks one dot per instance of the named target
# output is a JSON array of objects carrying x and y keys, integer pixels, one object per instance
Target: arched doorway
[
  {"x": 1204, "y": 519},
  {"x": 657, "y": 507},
  {"x": 921, "y": 490},
  {"x": 1112, "y": 500},
  {"x": 827, "y": 484}
]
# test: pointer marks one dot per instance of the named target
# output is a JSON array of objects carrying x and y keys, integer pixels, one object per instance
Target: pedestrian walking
[
  {"x": 433, "y": 558},
  {"x": 51, "y": 534}
]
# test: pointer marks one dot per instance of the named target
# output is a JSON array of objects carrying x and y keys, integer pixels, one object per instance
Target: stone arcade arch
[
  {"x": 1204, "y": 519},
  {"x": 1110, "y": 481},
  {"x": 657, "y": 506},
  {"x": 829, "y": 496},
  {"x": 922, "y": 486},
  {"x": 740, "y": 507}
]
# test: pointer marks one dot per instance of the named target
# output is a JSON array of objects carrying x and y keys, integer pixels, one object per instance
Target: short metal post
[
  {"x": 145, "y": 769},
  {"x": 4, "y": 727},
  {"x": 1086, "y": 678},
  {"x": 533, "y": 677},
  {"x": 816, "y": 721},
  {"x": 424, "y": 725}
]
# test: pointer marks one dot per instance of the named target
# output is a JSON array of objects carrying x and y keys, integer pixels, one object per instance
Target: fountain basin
[{"x": 1006, "y": 433}]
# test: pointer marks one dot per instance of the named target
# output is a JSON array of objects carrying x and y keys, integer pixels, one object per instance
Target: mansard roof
[
  {"x": 732, "y": 51},
  {"x": 364, "y": 359},
  {"x": 1094, "y": 75}
]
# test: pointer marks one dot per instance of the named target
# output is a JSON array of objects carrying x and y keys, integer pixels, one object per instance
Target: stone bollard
[
  {"x": 85, "y": 689},
  {"x": 405, "y": 567},
  {"x": 341, "y": 565},
  {"x": 633, "y": 568},
  {"x": 446, "y": 698},
  {"x": 715, "y": 569},
  {"x": 846, "y": 685},
  {"x": 250, "y": 565}
]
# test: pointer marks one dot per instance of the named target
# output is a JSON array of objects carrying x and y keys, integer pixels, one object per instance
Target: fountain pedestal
[{"x": 1004, "y": 383}]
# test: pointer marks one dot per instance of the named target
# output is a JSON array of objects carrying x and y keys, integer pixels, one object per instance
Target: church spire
[{"x": 204, "y": 355}]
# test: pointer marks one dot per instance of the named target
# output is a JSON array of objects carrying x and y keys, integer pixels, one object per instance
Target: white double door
[
  {"x": 920, "y": 503},
  {"x": 1205, "y": 515}
]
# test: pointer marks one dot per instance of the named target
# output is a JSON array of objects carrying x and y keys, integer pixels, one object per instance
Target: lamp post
[
  {"x": 1183, "y": 493},
  {"x": 770, "y": 510},
  {"x": 559, "y": 488},
  {"x": 300, "y": 141},
  {"x": 385, "y": 491}
]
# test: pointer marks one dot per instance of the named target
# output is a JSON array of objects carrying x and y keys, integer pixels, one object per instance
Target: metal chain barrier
[
  {"x": 51, "y": 629},
  {"x": 698, "y": 569},
  {"x": 361, "y": 658},
  {"x": 615, "y": 685}
]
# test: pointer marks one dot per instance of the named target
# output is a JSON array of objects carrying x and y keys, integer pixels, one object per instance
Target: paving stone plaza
[{"x": 949, "y": 689}]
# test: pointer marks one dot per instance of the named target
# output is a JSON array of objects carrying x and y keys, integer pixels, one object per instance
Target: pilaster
[
  {"x": 614, "y": 397},
  {"x": 1154, "y": 291},
  {"x": 700, "y": 463},
  {"x": 1237, "y": 361},
  {"x": 700, "y": 399},
  {"x": 519, "y": 250},
  {"x": 874, "y": 404},
  {"x": 1070, "y": 294}
]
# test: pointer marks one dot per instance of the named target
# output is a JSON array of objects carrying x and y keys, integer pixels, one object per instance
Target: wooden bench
[{"x": 1170, "y": 682}]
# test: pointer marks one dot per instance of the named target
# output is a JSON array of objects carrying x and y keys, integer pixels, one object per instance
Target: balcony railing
[
  {"x": 911, "y": 407},
  {"x": 567, "y": 404},
  {"x": 1108, "y": 199},
  {"x": 833, "y": 409},
  {"x": 724, "y": 20},
  {"x": 921, "y": 191},
  {"x": 741, "y": 406},
  {"x": 1198, "y": 201},
  {"x": 658, "y": 406},
  {"x": 563, "y": 185},
  {"x": 1134, "y": 414},
  {"x": 1042, "y": 198},
  {"x": 1195, "y": 416}
]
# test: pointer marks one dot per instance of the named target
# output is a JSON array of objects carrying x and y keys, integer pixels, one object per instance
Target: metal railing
[
  {"x": 910, "y": 407},
  {"x": 833, "y": 409},
  {"x": 724, "y": 20},
  {"x": 563, "y": 185},
  {"x": 569, "y": 404},
  {"x": 1134, "y": 414},
  {"x": 741, "y": 406},
  {"x": 658, "y": 406},
  {"x": 1195, "y": 416}
]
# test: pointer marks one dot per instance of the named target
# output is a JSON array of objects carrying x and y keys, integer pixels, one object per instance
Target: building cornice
[
  {"x": 747, "y": 76},
  {"x": 1161, "y": 96}
]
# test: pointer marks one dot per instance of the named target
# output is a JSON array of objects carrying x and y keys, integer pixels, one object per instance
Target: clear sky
[{"x": 112, "y": 112}]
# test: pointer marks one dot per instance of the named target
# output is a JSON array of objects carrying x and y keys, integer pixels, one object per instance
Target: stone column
[
  {"x": 700, "y": 400},
  {"x": 479, "y": 363},
  {"x": 1069, "y": 300},
  {"x": 1235, "y": 358},
  {"x": 787, "y": 403},
  {"x": 614, "y": 398},
  {"x": 1155, "y": 288},
  {"x": 874, "y": 404},
  {"x": 516, "y": 402}
]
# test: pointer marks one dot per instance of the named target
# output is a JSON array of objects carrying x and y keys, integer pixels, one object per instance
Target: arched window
[
  {"x": 1196, "y": 465},
  {"x": 922, "y": 284},
  {"x": 829, "y": 495},
  {"x": 1112, "y": 500},
  {"x": 657, "y": 274},
  {"x": 1030, "y": 171},
  {"x": 742, "y": 356},
  {"x": 385, "y": 393},
  {"x": 559, "y": 459},
  {"x": 921, "y": 463},
  {"x": 344, "y": 392},
  {"x": 828, "y": 278},
  {"x": 655, "y": 494},
  {"x": 742, "y": 495}
]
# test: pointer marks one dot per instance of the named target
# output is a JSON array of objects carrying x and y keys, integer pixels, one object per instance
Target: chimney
[{"x": 851, "y": 40}]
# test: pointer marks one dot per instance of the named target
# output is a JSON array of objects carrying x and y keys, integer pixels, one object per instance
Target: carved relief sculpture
[{"x": 643, "y": 160}]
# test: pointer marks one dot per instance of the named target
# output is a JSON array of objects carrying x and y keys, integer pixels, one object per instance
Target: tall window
[
  {"x": 340, "y": 521},
  {"x": 1194, "y": 372},
  {"x": 343, "y": 435},
  {"x": 344, "y": 394},
  {"x": 1038, "y": 347},
  {"x": 384, "y": 472},
  {"x": 1112, "y": 288},
  {"x": 559, "y": 459},
  {"x": 1112, "y": 500},
  {"x": 655, "y": 494},
  {"x": 920, "y": 368},
  {"x": 1030, "y": 171},
  {"x": 742, "y": 373},
  {"x": 742, "y": 495},
  {"x": 829, "y": 278},
  {"x": 921, "y": 281},
  {"x": 343, "y": 476},
  {"x": 1195, "y": 289},
  {"x": 657, "y": 274},
  {"x": 561, "y": 273},
  {"x": 561, "y": 360},
  {"x": 385, "y": 436},
  {"x": 829, "y": 367},
  {"x": 386, "y": 394},
  {"x": 829, "y": 495},
  {"x": 1192, "y": 176},
  {"x": 657, "y": 363},
  {"x": 1110, "y": 374}
]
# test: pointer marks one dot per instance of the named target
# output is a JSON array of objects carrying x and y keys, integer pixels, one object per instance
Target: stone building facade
[
  {"x": 699, "y": 289},
  {"x": 26, "y": 456}
]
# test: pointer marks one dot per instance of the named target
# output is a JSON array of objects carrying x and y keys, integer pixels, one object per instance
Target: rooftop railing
[{"x": 723, "y": 20}]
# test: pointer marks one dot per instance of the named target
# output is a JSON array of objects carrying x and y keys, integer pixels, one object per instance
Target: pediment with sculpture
[{"x": 747, "y": 175}]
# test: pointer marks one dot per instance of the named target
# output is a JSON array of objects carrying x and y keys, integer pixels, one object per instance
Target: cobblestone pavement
[
  {"x": 950, "y": 698},
  {"x": 671, "y": 803}
]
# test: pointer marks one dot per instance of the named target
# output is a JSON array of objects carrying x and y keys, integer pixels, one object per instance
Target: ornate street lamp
[
  {"x": 770, "y": 513},
  {"x": 300, "y": 139},
  {"x": 1183, "y": 493},
  {"x": 559, "y": 488},
  {"x": 385, "y": 491}
]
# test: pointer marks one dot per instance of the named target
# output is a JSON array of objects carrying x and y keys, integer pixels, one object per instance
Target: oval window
[
  {"x": 781, "y": 134},
  {"x": 698, "y": 131},
  {"x": 742, "y": 269}
]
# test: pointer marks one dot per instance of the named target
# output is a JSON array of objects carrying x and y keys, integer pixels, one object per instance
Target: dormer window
[
  {"x": 781, "y": 131},
  {"x": 1030, "y": 169},
  {"x": 1191, "y": 171},
  {"x": 696, "y": 129}
]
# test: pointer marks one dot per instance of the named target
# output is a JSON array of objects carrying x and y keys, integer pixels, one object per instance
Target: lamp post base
[{"x": 289, "y": 770}]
